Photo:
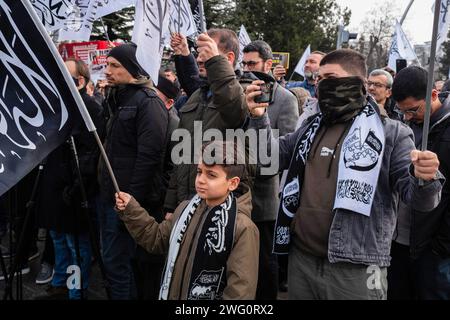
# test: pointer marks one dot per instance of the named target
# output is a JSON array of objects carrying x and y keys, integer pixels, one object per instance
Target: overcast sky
[{"x": 418, "y": 24}]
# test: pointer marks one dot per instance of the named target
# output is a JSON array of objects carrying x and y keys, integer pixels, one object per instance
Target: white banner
[
  {"x": 53, "y": 13},
  {"x": 106, "y": 7},
  {"x": 244, "y": 39},
  {"x": 181, "y": 20},
  {"x": 301, "y": 64},
  {"x": 150, "y": 28},
  {"x": 444, "y": 23},
  {"x": 78, "y": 25},
  {"x": 400, "y": 48}
]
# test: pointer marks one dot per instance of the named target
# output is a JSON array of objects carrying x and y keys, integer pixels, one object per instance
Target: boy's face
[{"x": 212, "y": 184}]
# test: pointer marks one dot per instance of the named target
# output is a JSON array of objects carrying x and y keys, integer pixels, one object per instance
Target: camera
[{"x": 267, "y": 94}]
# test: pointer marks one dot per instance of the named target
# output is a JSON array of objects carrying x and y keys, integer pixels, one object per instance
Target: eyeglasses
[
  {"x": 411, "y": 112},
  {"x": 250, "y": 63},
  {"x": 376, "y": 85}
]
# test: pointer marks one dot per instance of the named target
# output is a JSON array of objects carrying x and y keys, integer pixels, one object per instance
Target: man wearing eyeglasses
[
  {"x": 379, "y": 86},
  {"x": 283, "y": 114},
  {"x": 420, "y": 265}
]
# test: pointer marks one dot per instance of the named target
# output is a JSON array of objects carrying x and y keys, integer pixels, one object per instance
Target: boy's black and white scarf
[
  {"x": 208, "y": 275},
  {"x": 359, "y": 168}
]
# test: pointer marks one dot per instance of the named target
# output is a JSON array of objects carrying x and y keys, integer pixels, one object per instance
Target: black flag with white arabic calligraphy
[{"x": 37, "y": 108}]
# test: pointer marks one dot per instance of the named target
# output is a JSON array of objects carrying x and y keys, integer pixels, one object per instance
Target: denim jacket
[{"x": 355, "y": 238}]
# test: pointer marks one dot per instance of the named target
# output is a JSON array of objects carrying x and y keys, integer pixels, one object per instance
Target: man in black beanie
[
  {"x": 168, "y": 92},
  {"x": 135, "y": 143}
]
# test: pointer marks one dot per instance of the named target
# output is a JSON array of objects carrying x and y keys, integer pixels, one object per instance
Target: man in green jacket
[{"x": 218, "y": 104}]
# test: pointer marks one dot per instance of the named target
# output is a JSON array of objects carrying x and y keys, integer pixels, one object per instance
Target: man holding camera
[
  {"x": 347, "y": 166},
  {"x": 283, "y": 114}
]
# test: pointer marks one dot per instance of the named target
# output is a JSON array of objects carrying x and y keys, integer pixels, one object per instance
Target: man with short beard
[
  {"x": 135, "y": 142},
  {"x": 283, "y": 114},
  {"x": 311, "y": 69}
]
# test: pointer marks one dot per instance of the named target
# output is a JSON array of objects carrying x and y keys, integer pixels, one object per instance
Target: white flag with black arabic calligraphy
[{"x": 150, "y": 33}]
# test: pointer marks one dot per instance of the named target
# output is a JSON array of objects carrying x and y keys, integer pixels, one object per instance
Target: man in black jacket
[
  {"x": 135, "y": 140},
  {"x": 59, "y": 206},
  {"x": 420, "y": 266}
]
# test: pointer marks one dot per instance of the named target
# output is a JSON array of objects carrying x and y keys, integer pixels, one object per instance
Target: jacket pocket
[
  {"x": 127, "y": 113},
  {"x": 189, "y": 107}
]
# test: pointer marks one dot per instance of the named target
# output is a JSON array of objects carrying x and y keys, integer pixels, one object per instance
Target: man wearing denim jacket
[{"x": 347, "y": 167}]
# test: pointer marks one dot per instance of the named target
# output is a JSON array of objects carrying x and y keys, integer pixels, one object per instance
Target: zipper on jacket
[{"x": 189, "y": 254}]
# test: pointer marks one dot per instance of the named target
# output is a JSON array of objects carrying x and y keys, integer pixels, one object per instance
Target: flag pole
[
  {"x": 426, "y": 123},
  {"x": 179, "y": 16},
  {"x": 76, "y": 95},
  {"x": 104, "y": 30},
  {"x": 201, "y": 12},
  {"x": 405, "y": 14}
]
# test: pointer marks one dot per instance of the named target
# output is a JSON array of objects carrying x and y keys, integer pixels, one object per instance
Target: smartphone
[
  {"x": 266, "y": 95},
  {"x": 401, "y": 64}
]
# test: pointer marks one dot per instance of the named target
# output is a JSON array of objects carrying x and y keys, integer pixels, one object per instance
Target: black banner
[{"x": 37, "y": 109}]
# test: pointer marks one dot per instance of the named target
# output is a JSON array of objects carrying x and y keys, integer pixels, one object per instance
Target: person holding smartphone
[{"x": 283, "y": 114}]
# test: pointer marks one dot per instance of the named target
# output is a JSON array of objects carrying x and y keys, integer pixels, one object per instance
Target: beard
[{"x": 309, "y": 75}]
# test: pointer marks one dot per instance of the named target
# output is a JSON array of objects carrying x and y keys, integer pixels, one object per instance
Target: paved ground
[{"x": 32, "y": 290}]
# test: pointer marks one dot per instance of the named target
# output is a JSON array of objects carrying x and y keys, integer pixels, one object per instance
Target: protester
[
  {"x": 283, "y": 114},
  {"x": 311, "y": 69},
  {"x": 302, "y": 96},
  {"x": 186, "y": 66},
  {"x": 167, "y": 91},
  {"x": 170, "y": 75},
  {"x": 438, "y": 85},
  {"x": 63, "y": 216},
  {"x": 343, "y": 203},
  {"x": 421, "y": 248},
  {"x": 218, "y": 104},
  {"x": 212, "y": 243},
  {"x": 135, "y": 143},
  {"x": 379, "y": 86},
  {"x": 390, "y": 71}
]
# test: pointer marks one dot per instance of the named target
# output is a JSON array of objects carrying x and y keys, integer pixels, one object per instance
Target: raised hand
[
  {"x": 179, "y": 44},
  {"x": 252, "y": 91}
]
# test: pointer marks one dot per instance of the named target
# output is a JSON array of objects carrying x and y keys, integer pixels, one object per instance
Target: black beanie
[
  {"x": 126, "y": 55},
  {"x": 167, "y": 87}
]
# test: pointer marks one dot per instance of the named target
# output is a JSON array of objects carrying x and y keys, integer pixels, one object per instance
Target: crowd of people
[{"x": 355, "y": 210}]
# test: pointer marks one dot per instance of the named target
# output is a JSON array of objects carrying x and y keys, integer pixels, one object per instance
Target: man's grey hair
[{"x": 381, "y": 72}]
